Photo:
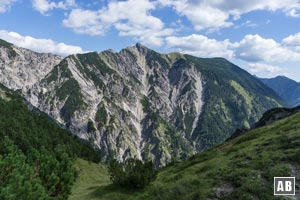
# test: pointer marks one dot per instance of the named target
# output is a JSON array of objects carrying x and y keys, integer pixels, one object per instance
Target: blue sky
[{"x": 261, "y": 36}]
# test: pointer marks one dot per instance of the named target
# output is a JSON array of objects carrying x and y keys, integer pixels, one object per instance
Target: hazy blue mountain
[{"x": 287, "y": 89}]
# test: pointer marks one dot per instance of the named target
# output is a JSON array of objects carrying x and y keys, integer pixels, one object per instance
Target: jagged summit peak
[
  {"x": 136, "y": 49},
  {"x": 139, "y": 47},
  {"x": 111, "y": 50}
]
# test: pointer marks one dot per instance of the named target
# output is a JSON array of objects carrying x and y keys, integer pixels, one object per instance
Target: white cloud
[
  {"x": 86, "y": 22},
  {"x": 200, "y": 45},
  {"x": 130, "y": 18},
  {"x": 5, "y": 5},
  {"x": 262, "y": 55},
  {"x": 295, "y": 12},
  {"x": 249, "y": 23},
  {"x": 214, "y": 14},
  {"x": 254, "y": 48},
  {"x": 39, "y": 45},
  {"x": 133, "y": 17},
  {"x": 292, "y": 40},
  {"x": 44, "y": 6},
  {"x": 265, "y": 70}
]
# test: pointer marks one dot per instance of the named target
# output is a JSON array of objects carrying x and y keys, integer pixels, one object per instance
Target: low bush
[{"x": 132, "y": 173}]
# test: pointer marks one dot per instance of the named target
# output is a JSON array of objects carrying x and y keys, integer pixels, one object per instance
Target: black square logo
[{"x": 284, "y": 185}]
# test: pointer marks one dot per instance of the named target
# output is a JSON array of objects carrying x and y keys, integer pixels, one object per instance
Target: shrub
[{"x": 132, "y": 173}]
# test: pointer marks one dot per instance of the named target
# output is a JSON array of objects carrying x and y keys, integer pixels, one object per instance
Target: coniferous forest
[{"x": 36, "y": 155}]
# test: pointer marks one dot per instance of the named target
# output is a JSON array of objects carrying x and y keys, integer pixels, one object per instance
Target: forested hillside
[{"x": 36, "y": 155}]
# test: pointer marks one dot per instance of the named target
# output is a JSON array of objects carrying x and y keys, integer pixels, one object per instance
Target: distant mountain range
[
  {"x": 287, "y": 89},
  {"x": 138, "y": 102}
]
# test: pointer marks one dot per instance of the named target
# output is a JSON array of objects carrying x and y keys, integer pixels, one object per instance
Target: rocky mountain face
[
  {"x": 138, "y": 102},
  {"x": 21, "y": 68},
  {"x": 287, "y": 89}
]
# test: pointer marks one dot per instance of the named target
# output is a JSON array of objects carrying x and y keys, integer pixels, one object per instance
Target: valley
[
  {"x": 177, "y": 110},
  {"x": 241, "y": 168},
  {"x": 149, "y": 100}
]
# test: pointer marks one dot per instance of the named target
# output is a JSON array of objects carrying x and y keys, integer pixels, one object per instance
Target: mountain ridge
[
  {"x": 286, "y": 88},
  {"x": 138, "y": 102}
]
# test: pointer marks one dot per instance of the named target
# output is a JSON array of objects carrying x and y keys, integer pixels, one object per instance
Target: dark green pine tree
[
  {"x": 18, "y": 179},
  {"x": 56, "y": 171}
]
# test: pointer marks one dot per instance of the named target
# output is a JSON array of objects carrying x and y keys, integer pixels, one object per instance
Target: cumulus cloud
[
  {"x": 39, "y": 45},
  {"x": 292, "y": 40},
  {"x": 5, "y": 5},
  {"x": 215, "y": 14},
  {"x": 130, "y": 18},
  {"x": 44, "y": 6},
  {"x": 259, "y": 53},
  {"x": 252, "y": 48},
  {"x": 265, "y": 70},
  {"x": 200, "y": 45},
  {"x": 295, "y": 12},
  {"x": 86, "y": 22},
  {"x": 133, "y": 18}
]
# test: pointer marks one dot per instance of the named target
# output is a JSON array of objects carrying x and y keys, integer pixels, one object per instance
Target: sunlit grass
[{"x": 247, "y": 163}]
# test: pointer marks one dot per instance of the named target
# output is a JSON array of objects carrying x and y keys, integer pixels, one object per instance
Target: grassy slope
[
  {"x": 91, "y": 177},
  {"x": 246, "y": 164}
]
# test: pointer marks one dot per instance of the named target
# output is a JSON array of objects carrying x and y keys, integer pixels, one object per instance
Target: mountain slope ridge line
[{"x": 138, "y": 102}]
